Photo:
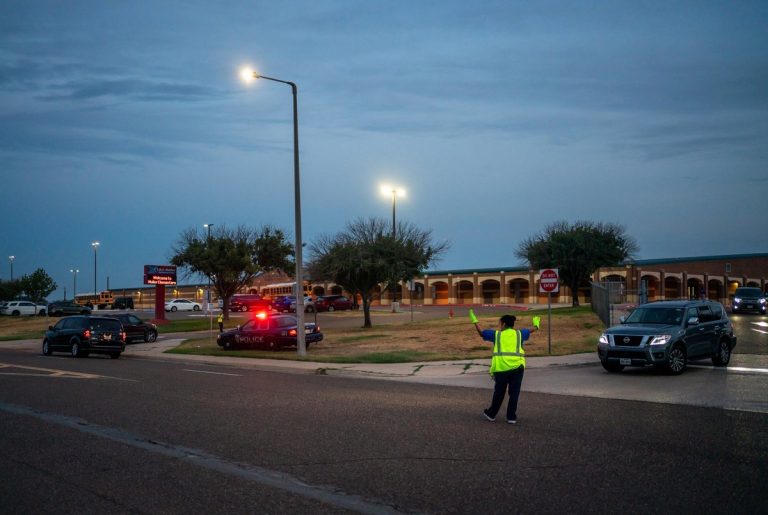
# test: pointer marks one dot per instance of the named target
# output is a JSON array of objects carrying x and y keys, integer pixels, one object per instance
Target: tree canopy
[
  {"x": 577, "y": 250},
  {"x": 231, "y": 257},
  {"x": 366, "y": 255}
]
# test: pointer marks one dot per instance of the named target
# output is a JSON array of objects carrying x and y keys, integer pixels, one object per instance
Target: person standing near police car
[
  {"x": 507, "y": 362},
  {"x": 220, "y": 320}
]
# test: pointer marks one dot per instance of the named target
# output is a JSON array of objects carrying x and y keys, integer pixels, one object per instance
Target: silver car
[{"x": 667, "y": 335}]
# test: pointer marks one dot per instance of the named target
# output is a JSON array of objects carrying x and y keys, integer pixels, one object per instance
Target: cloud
[{"x": 136, "y": 89}]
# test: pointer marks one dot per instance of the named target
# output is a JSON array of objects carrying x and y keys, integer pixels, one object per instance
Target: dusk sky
[{"x": 126, "y": 122}]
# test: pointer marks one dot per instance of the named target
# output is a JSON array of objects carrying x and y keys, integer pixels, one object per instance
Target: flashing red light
[{"x": 262, "y": 315}]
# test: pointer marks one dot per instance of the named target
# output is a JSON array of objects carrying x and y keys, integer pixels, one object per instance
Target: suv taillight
[
  {"x": 87, "y": 334},
  {"x": 122, "y": 336},
  {"x": 292, "y": 332}
]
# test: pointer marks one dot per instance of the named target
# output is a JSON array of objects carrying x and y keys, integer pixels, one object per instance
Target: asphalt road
[{"x": 148, "y": 436}]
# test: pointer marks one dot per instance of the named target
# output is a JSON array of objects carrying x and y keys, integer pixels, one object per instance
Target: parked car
[
  {"x": 182, "y": 305},
  {"x": 249, "y": 302},
  {"x": 67, "y": 307},
  {"x": 122, "y": 303},
  {"x": 268, "y": 332},
  {"x": 748, "y": 298},
  {"x": 81, "y": 335},
  {"x": 668, "y": 334},
  {"x": 282, "y": 303},
  {"x": 136, "y": 329},
  {"x": 332, "y": 303},
  {"x": 23, "y": 307},
  {"x": 309, "y": 305}
]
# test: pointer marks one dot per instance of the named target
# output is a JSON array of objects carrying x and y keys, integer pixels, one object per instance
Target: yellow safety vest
[
  {"x": 221, "y": 317},
  {"x": 508, "y": 353}
]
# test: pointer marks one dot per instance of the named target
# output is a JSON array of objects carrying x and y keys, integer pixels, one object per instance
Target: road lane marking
[
  {"x": 758, "y": 330},
  {"x": 733, "y": 369},
  {"x": 53, "y": 372},
  {"x": 208, "y": 372},
  {"x": 272, "y": 478},
  {"x": 761, "y": 323}
]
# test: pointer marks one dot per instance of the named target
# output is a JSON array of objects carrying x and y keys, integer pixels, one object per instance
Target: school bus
[
  {"x": 273, "y": 290},
  {"x": 103, "y": 300}
]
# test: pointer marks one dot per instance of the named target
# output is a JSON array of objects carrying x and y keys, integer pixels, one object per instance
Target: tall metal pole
[
  {"x": 95, "y": 246},
  {"x": 74, "y": 271},
  {"x": 11, "y": 258},
  {"x": 394, "y": 204},
  {"x": 300, "y": 339}
]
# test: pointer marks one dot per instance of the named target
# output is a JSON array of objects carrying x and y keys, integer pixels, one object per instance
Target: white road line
[
  {"x": 272, "y": 478},
  {"x": 207, "y": 372},
  {"x": 758, "y": 330},
  {"x": 734, "y": 369}
]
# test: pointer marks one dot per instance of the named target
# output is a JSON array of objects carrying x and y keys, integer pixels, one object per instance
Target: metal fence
[{"x": 612, "y": 300}]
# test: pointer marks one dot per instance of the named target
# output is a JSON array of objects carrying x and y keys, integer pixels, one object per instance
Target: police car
[{"x": 268, "y": 332}]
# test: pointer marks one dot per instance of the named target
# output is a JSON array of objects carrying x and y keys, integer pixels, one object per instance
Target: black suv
[
  {"x": 67, "y": 307},
  {"x": 667, "y": 334},
  {"x": 122, "y": 303},
  {"x": 136, "y": 329},
  {"x": 748, "y": 298},
  {"x": 81, "y": 335}
]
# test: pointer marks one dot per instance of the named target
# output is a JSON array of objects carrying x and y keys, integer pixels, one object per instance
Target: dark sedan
[
  {"x": 268, "y": 332},
  {"x": 333, "y": 303},
  {"x": 66, "y": 307},
  {"x": 136, "y": 329}
]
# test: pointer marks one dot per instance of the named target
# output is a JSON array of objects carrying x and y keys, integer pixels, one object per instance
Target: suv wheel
[
  {"x": 75, "y": 350},
  {"x": 150, "y": 336},
  {"x": 47, "y": 348},
  {"x": 723, "y": 356},
  {"x": 331, "y": 308},
  {"x": 612, "y": 367},
  {"x": 676, "y": 360}
]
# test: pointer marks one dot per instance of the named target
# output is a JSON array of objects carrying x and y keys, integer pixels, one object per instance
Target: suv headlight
[
  {"x": 762, "y": 301},
  {"x": 736, "y": 300},
  {"x": 603, "y": 339},
  {"x": 660, "y": 339}
]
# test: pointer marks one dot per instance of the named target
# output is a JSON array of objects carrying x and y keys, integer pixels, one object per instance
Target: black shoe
[{"x": 487, "y": 416}]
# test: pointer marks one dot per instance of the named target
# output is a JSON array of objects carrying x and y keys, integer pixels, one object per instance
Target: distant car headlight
[
  {"x": 603, "y": 339},
  {"x": 660, "y": 339},
  {"x": 762, "y": 301},
  {"x": 736, "y": 300}
]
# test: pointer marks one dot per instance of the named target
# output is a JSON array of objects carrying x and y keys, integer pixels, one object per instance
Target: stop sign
[{"x": 549, "y": 280}]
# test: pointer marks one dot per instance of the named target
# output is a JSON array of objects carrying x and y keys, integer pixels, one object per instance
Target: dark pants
[
  {"x": 510, "y": 380},
  {"x": 221, "y": 327}
]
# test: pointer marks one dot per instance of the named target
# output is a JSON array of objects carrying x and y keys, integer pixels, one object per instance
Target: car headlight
[
  {"x": 736, "y": 300},
  {"x": 660, "y": 339},
  {"x": 603, "y": 339},
  {"x": 762, "y": 301}
]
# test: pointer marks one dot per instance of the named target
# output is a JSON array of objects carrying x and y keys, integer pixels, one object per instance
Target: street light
[
  {"x": 395, "y": 192},
  {"x": 74, "y": 271},
  {"x": 95, "y": 246},
  {"x": 10, "y": 259},
  {"x": 248, "y": 75},
  {"x": 208, "y": 293}
]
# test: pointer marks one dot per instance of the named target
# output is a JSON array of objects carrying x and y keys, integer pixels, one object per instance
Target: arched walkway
[
  {"x": 440, "y": 293},
  {"x": 491, "y": 291},
  {"x": 518, "y": 291},
  {"x": 464, "y": 292},
  {"x": 652, "y": 286},
  {"x": 671, "y": 288}
]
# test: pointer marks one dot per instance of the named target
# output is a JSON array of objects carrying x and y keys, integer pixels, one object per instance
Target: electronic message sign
[{"x": 160, "y": 274}]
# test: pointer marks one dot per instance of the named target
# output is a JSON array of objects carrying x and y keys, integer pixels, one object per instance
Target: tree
[
  {"x": 9, "y": 290},
  {"x": 365, "y": 255},
  {"x": 38, "y": 285},
  {"x": 577, "y": 249},
  {"x": 230, "y": 258}
]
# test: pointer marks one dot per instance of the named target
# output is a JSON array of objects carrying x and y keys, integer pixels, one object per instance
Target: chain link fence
[{"x": 612, "y": 300}]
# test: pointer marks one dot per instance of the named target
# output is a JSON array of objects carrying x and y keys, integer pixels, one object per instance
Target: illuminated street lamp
[
  {"x": 74, "y": 271},
  {"x": 10, "y": 259},
  {"x": 395, "y": 192},
  {"x": 95, "y": 246},
  {"x": 248, "y": 75}
]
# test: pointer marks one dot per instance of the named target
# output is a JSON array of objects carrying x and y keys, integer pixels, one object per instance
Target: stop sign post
[{"x": 549, "y": 283}]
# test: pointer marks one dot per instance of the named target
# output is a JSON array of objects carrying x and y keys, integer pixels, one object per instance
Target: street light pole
[
  {"x": 301, "y": 347},
  {"x": 74, "y": 271},
  {"x": 10, "y": 259},
  {"x": 95, "y": 246},
  {"x": 208, "y": 293}
]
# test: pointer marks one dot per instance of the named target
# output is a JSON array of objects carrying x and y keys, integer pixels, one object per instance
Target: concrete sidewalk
[{"x": 462, "y": 373}]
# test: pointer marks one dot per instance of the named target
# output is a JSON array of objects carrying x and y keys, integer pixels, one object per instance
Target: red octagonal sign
[{"x": 549, "y": 280}]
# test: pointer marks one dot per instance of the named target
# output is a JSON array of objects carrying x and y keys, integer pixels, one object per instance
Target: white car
[
  {"x": 182, "y": 305},
  {"x": 22, "y": 307}
]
